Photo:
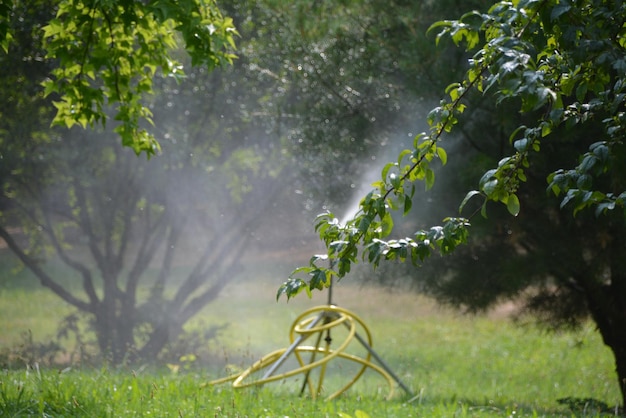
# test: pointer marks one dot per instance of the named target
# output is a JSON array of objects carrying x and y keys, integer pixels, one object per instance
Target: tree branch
[
  {"x": 43, "y": 277},
  {"x": 88, "y": 285}
]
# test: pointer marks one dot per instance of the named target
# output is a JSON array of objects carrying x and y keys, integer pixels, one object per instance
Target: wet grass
[
  {"x": 454, "y": 365},
  {"x": 106, "y": 393}
]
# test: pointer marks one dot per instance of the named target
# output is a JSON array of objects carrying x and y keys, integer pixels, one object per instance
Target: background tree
[
  {"x": 348, "y": 79},
  {"x": 149, "y": 243},
  {"x": 152, "y": 243},
  {"x": 561, "y": 64},
  {"x": 282, "y": 105}
]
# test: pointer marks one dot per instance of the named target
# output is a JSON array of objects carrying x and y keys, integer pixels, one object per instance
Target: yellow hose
[{"x": 303, "y": 327}]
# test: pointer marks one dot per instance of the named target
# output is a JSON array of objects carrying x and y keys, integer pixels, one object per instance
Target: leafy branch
[
  {"x": 511, "y": 67},
  {"x": 6, "y": 35},
  {"x": 109, "y": 52},
  {"x": 373, "y": 221}
]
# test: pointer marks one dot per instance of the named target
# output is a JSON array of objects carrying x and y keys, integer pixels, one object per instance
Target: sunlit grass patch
[
  {"x": 127, "y": 393},
  {"x": 455, "y": 365}
]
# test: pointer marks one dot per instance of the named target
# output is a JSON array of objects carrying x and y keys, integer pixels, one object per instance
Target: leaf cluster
[
  {"x": 6, "y": 35},
  {"x": 108, "y": 52},
  {"x": 562, "y": 64}
]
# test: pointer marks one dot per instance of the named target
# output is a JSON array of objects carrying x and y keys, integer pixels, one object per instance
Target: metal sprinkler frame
[{"x": 318, "y": 321}]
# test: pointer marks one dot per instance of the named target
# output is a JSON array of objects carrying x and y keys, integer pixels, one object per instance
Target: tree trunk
[
  {"x": 607, "y": 305},
  {"x": 613, "y": 333},
  {"x": 606, "y": 301},
  {"x": 160, "y": 336},
  {"x": 616, "y": 296}
]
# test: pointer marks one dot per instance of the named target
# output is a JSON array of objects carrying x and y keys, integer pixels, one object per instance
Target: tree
[
  {"x": 106, "y": 54},
  {"x": 147, "y": 244},
  {"x": 561, "y": 65},
  {"x": 346, "y": 81}
]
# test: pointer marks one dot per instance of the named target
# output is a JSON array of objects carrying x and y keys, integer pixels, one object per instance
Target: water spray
[{"x": 317, "y": 324}]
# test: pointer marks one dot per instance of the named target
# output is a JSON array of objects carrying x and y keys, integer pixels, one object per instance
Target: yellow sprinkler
[{"x": 316, "y": 324}]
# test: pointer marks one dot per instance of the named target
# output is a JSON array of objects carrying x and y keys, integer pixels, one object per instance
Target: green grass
[
  {"x": 22, "y": 310},
  {"x": 104, "y": 393},
  {"x": 456, "y": 366}
]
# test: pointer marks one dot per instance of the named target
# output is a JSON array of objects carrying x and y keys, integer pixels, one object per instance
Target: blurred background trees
[
  {"x": 146, "y": 244},
  {"x": 249, "y": 154}
]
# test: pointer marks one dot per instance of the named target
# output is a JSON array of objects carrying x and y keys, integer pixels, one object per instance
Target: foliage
[
  {"x": 147, "y": 243},
  {"x": 560, "y": 64},
  {"x": 533, "y": 52},
  {"x": 106, "y": 54},
  {"x": 327, "y": 89},
  {"x": 5, "y": 31},
  {"x": 345, "y": 75},
  {"x": 140, "y": 239}
]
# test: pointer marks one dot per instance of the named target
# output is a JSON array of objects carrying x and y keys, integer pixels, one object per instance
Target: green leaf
[
  {"x": 408, "y": 203},
  {"x": 386, "y": 224},
  {"x": 584, "y": 182},
  {"x": 512, "y": 204},
  {"x": 486, "y": 177},
  {"x": 430, "y": 178},
  {"x": 319, "y": 279},
  {"x": 490, "y": 187},
  {"x": 403, "y": 154},
  {"x": 515, "y": 132},
  {"x": 521, "y": 145},
  {"x": 395, "y": 181},
  {"x": 588, "y": 162},
  {"x": 364, "y": 223},
  {"x": 386, "y": 169},
  {"x": 483, "y": 209},
  {"x": 374, "y": 251},
  {"x": 570, "y": 195},
  {"x": 467, "y": 197},
  {"x": 291, "y": 288},
  {"x": 453, "y": 90},
  {"x": 443, "y": 156},
  {"x": 604, "y": 207}
]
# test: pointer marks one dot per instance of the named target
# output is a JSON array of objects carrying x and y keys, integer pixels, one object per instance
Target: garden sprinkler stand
[{"x": 318, "y": 322}]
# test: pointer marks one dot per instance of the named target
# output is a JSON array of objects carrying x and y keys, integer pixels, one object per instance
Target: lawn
[{"x": 454, "y": 365}]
